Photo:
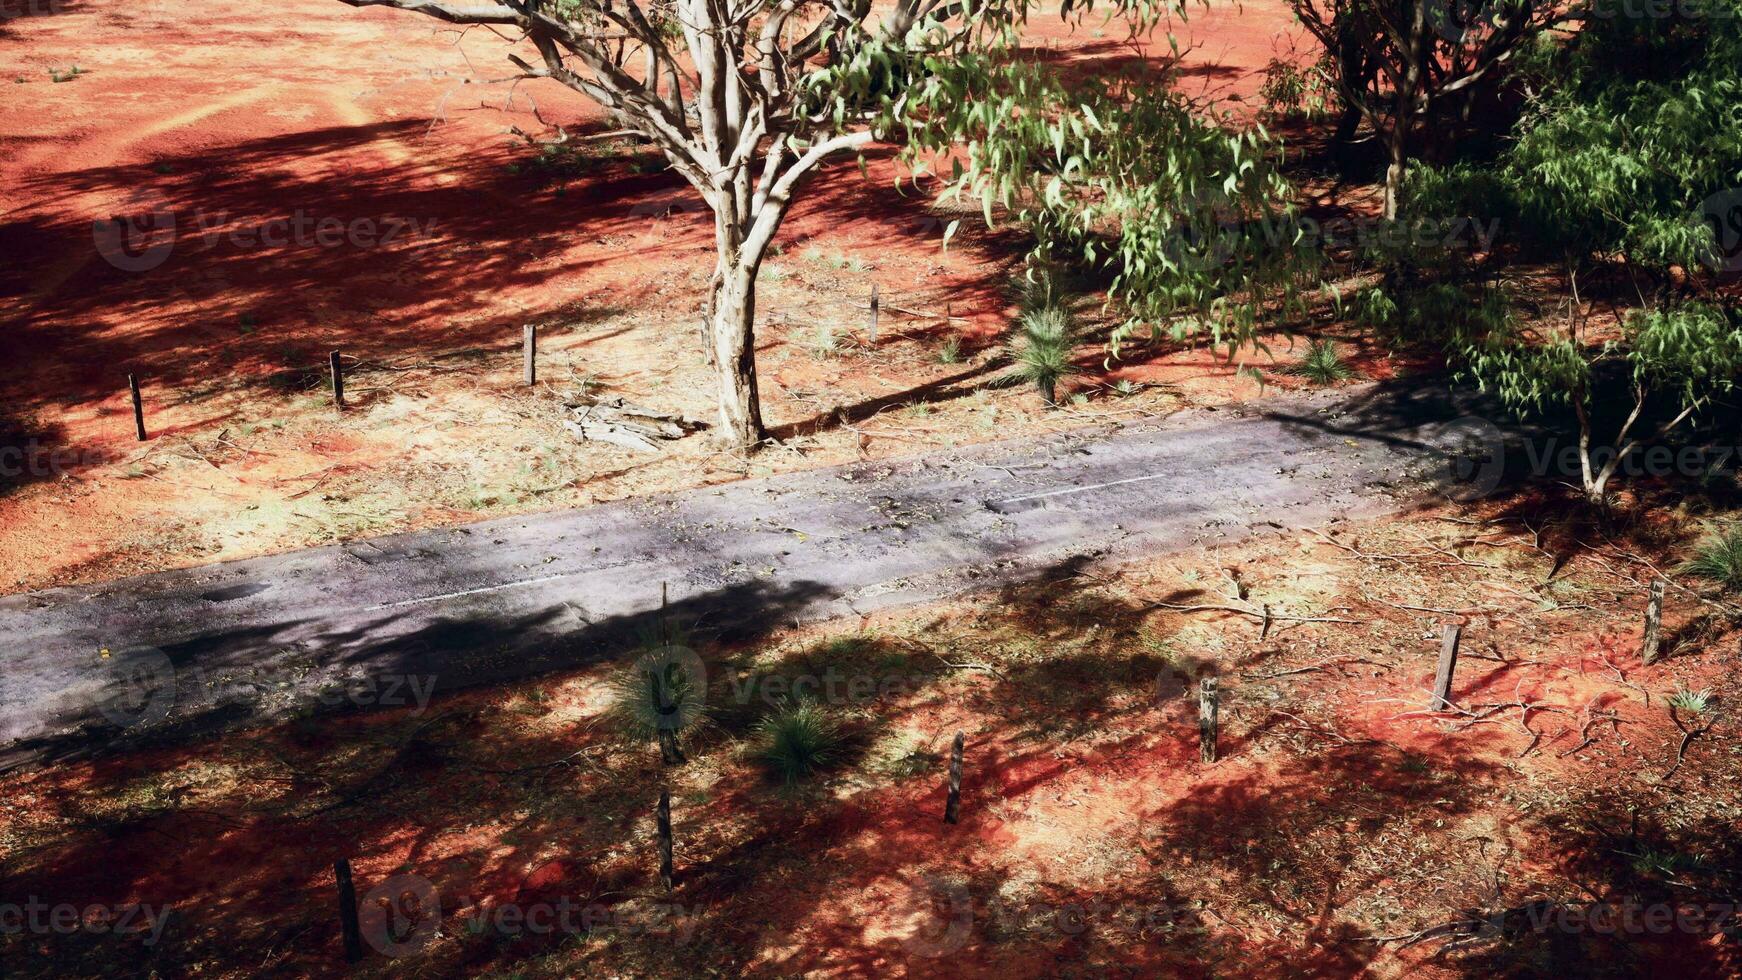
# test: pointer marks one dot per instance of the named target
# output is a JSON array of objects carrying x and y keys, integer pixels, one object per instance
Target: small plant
[
  {"x": 1694, "y": 702},
  {"x": 824, "y": 343},
  {"x": 950, "y": 352},
  {"x": 1324, "y": 364},
  {"x": 813, "y": 254},
  {"x": 774, "y": 273},
  {"x": 663, "y": 692},
  {"x": 66, "y": 76},
  {"x": 1125, "y": 387},
  {"x": 1289, "y": 92},
  {"x": 798, "y": 741},
  {"x": 1042, "y": 351},
  {"x": 1718, "y": 557},
  {"x": 918, "y": 410}
]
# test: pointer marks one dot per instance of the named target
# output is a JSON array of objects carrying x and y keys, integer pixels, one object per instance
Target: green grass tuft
[
  {"x": 1041, "y": 353},
  {"x": 1718, "y": 557},
  {"x": 1324, "y": 364},
  {"x": 799, "y": 741}
]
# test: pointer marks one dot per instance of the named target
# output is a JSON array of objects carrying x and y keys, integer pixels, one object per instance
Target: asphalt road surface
[{"x": 400, "y": 619}]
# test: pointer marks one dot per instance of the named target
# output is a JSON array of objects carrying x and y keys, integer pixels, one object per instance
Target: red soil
[{"x": 340, "y": 179}]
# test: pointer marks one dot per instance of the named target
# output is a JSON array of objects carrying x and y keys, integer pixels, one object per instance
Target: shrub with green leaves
[
  {"x": 799, "y": 740},
  {"x": 1718, "y": 557},
  {"x": 1634, "y": 127}
]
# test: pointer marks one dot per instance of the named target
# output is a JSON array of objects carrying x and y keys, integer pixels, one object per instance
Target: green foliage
[
  {"x": 1116, "y": 172},
  {"x": 663, "y": 691},
  {"x": 1696, "y": 702},
  {"x": 1718, "y": 557},
  {"x": 798, "y": 740},
  {"x": 1290, "y": 92},
  {"x": 1041, "y": 352},
  {"x": 1324, "y": 364},
  {"x": 1692, "y": 349},
  {"x": 1644, "y": 125},
  {"x": 950, "y": 351}
]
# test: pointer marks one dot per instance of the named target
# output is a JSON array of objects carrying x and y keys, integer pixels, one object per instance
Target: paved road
[{"x": 392, "y": 620}]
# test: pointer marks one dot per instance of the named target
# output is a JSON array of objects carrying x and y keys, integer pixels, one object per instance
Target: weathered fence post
[
  {"x": 138, "y": 406},
  {"x": 529, "y": 343},
  {"x": 338, "y": 381},
  {"x": 875, "y": 303},
  {"x": 348, "y": 911},
  {"x": 1209, "y": 709},
  {"x": 664, "y": 820},
  {"x": 1653, "y": 624},
  {"x": 1448, "y": 663},
  {"x": 955, "y": 800}
]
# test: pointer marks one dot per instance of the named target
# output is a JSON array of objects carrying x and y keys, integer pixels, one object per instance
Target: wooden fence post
[
  {"x": 348, "y": 911},
  {"x": 338, "y": 381},
  {"x": 664, "y": 820},
  {"x": 529, "y": 344},
  {"x": 1448, "y": 663},
  {"x": 1653, "y": 623},
  {"x": 138, "y": 406},
  {"x": 875, "y": 303},
  {"x": 954, "y": 802},
  {"x": 1209, "y": 710}
]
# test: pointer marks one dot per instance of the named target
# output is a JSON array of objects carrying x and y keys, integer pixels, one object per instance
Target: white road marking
[
  {"x": 1096, "y": 486},
  {"x": 466, "y": 592}
]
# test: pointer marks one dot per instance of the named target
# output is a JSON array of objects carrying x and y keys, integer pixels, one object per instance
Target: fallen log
[{"x": 623, "y": 423}]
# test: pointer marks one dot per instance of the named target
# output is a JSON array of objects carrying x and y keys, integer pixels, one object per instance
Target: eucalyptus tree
[
  {"x": 746, "y": 98},
  {"x": 1402, "y": 65}
]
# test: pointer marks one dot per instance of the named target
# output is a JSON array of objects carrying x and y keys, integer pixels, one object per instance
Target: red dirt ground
[
  {"x": 233, "y": 119},
  {"x": 1092, "y": 842}
]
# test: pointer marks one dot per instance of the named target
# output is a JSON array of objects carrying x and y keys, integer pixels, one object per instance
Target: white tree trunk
[{"x": 733, "y": 350}]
